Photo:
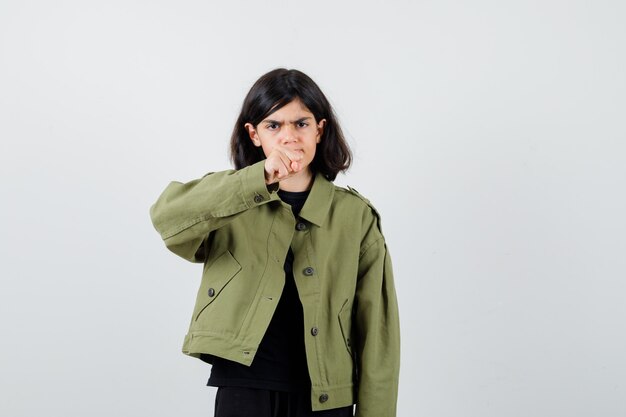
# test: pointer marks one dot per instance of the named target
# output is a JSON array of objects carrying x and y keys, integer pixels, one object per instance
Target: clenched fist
[{"x": 282, "y": 163}]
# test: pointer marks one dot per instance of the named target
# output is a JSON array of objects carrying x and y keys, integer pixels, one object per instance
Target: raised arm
[{"x": 185, "y": 213}]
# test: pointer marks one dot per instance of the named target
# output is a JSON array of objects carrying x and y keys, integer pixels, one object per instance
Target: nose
[{"x": 289, "y": 134}]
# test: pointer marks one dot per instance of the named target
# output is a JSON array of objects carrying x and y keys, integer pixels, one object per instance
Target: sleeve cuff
[{"x": 256, "y": 191}]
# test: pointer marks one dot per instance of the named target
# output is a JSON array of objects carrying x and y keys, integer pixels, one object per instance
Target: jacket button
[
  {"x": 258, "y": 198},
  {"x": 314, "y": 331},
  {"x": 300, "y": 226},
  {"x": 323, "y": 398},
  {"x": 211, "y": 292},
  {"x": 308, "y": 271}
]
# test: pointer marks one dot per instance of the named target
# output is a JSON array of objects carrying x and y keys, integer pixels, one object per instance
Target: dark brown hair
[{"x": 274, "y": 90}]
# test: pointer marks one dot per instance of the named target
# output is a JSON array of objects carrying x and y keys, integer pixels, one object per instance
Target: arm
[
  {"x": 185, "y": 213},
  {"x": 378, "y": 333}
]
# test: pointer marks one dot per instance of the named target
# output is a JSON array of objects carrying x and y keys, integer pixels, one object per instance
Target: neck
[{"x": 302, "y": 181}]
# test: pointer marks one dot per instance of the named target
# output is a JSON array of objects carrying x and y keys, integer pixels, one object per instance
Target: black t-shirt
[{"x": 280, "y": 362}]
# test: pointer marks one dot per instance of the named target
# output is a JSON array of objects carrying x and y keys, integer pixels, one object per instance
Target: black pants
[{"x": 253, "y": 402}]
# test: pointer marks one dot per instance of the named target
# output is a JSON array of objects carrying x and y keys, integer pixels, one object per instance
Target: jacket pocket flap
[
  {"x": 345, "y": 322},
  {"x": 215, "y": 278}
]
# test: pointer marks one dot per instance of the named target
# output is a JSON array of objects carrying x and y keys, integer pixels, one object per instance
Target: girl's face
[{"x": 292, "y": 126}]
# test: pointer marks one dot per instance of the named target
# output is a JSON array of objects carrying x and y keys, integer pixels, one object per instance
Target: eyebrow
[{"x": 277, "y": 122}]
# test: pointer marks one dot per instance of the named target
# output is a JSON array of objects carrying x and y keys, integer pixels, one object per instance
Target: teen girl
[{"x": 297, "y": 310}]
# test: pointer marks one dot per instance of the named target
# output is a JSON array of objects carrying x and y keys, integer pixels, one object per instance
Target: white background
[{"x": 490, "y": 135}]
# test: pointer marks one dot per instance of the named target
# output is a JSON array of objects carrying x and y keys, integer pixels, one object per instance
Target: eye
[
  {"x": 303, "y": 124},
  {"x": 271, "y": 126}
]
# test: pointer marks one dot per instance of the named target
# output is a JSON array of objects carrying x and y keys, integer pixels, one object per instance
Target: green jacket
[{"x": 241, "y": 230}]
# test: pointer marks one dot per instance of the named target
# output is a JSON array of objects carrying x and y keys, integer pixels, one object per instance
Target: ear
[
  {"x": 320, "y": 130},
  {"x": 254, "y": 136}
]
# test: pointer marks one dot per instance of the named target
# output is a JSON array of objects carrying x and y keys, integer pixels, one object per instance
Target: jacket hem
[
  {"x": 198, "y": 342},
  {"x": 334, "y": 396}
]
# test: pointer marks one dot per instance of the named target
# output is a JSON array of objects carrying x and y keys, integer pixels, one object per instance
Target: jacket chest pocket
[
  {"x": 345, "y": 322},
  {"x": 214, "y": 280}
]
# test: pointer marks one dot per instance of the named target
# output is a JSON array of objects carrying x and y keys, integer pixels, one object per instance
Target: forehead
[{"x": 295, "y": 108}]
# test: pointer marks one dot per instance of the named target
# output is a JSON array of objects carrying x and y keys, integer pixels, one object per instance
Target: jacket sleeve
[
  {"x": 185, "y": 213},
  {"x": 378, "y": 333}
]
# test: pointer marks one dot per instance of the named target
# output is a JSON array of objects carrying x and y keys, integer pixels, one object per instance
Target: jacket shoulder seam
[
  {"x": 353, "y": 192},
  {"x": 369, "y": 204}
]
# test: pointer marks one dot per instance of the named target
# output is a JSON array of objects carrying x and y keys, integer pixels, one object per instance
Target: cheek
[
  {"x": 267, "y": 149},
  {"x": 311, "y": 153}
]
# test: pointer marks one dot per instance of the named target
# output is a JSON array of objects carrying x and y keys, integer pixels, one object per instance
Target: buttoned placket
[
  {"x": 308, "y": 283},
  {"x": 296, "y": 232}
]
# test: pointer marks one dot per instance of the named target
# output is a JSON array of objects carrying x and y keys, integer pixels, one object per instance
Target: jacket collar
[{"x": 319, "y": 200}]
